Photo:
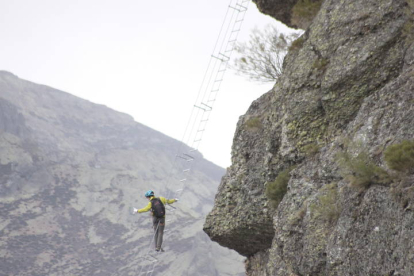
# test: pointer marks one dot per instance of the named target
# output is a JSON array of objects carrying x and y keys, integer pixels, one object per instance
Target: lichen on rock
[{"x": 351, "y": 76}]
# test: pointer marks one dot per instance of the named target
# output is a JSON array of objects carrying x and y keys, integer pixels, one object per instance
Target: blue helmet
[{"x": 149, "y": 193}]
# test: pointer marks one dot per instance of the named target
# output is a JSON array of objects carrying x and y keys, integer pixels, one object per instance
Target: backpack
[{"x": 157, "y": 208}]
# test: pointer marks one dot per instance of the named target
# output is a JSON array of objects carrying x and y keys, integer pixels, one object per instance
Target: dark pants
[{"x": 158, "y": 224}]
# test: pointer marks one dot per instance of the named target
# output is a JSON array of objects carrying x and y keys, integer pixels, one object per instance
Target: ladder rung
[
  {"x": 207, "y": 106},
  {"x": 201, "y": 108},
  {"x": 222, "y": 60},
  {"x": 242, "y": 7},
  {"x": 235, "y": 9},
  {"x": 224, "y": 56}
]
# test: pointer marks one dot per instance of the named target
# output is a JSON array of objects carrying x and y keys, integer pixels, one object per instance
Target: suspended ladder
[{"x": 200, "y": 114}]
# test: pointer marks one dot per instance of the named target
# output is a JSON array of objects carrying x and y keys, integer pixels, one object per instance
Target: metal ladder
[{"x": 202, "y": 109}]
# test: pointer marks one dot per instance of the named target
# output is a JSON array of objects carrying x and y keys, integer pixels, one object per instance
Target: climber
[{"x": 156, "y": 205}]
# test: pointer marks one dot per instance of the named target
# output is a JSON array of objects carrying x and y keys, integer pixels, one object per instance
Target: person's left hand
[{"x": 135, "y": 210}]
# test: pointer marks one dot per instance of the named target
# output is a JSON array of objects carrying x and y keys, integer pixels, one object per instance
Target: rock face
[
  {"x": 70, "y": 173},
  {"x": 293, "y": 13},
  {"x": 346, "y": 95},
  {"x": 280, "y": 10}
]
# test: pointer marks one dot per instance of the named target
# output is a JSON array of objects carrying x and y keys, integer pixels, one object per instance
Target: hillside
[{"x": 70, "y": 173}]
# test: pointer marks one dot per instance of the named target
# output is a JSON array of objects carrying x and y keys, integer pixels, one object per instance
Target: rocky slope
[
  {"x": 346, "y": 95},
  {"x": 70, "y": 172}
]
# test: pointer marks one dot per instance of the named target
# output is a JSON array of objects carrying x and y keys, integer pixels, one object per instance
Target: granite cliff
[
  {"x": 70, "y": 173},
  {"x": 328, "y": 130}
]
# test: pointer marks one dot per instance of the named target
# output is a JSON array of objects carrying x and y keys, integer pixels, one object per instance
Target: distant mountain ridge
[{"x": 70, "y": 170}]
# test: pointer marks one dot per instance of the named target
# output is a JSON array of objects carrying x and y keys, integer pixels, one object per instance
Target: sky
[{"x": 143, "y": 58}]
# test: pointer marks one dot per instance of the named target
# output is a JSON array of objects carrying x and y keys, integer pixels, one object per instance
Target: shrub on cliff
[
  {"x": 400, "y": 157},
  {"x": 360, "y": 170},
  {"x": 276, "y": 190},
  {"x": 327, "y": 207},
  {"x": 261, "y": 58}
]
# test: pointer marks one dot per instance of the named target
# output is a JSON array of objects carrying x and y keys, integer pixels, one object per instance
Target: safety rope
[{"x": 201, "y": 110}]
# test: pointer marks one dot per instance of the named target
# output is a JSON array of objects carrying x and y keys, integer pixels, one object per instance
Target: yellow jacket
[{"x": 163, "y": 200}]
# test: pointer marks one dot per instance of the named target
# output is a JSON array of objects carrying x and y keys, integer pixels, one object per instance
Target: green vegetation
[
  {"x": 320, "y": 64},
  {"x": 304, "y": 11},
  {"x": 297, "y": 44},
  {"x": 410, "y": 3},
  {"x": 400, "y": 157},
  {"x": 327, "y": 207},
  {"x": 408, "y": 28},
  {"x": 276, "y": 190},
  {"x": 311, "y": 149},
  {"x": 253, "y": 123},
  {"x": 361, "y": 171}
]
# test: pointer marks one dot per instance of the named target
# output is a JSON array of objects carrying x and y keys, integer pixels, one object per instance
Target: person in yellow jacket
[{"x": 156, "y": 205}]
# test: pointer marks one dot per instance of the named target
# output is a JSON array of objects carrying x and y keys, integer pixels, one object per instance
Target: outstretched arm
[
  {"x": 168, "y": 201},
  {"x": 145, "y": 209}
]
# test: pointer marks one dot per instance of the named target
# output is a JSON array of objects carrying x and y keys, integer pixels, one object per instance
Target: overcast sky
[{"x": 143, "y": 58}]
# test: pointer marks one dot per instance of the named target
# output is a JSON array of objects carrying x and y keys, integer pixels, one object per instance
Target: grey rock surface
[{"x": 347, "y": 87}]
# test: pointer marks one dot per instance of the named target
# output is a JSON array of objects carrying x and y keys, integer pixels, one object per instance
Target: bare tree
[{"x": 261, "y": 58}]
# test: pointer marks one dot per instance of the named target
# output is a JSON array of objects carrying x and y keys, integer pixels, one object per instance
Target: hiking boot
[{"x": 159, "y": 249}]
